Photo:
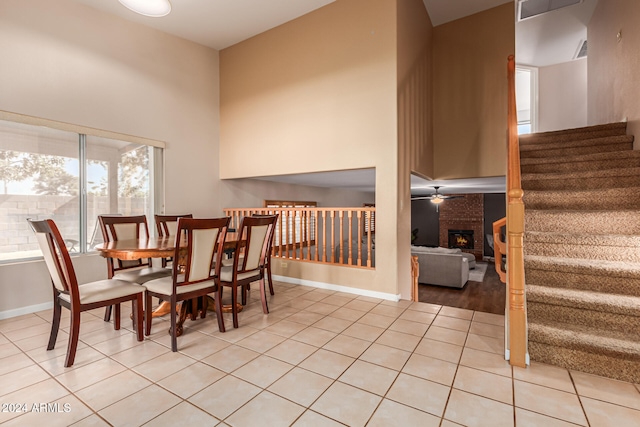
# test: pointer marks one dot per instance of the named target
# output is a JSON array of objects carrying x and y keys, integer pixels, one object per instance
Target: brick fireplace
[{"x": 463, "y": 218}]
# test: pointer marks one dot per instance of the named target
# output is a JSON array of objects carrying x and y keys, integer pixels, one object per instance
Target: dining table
[{"x": 162, "y": 247}]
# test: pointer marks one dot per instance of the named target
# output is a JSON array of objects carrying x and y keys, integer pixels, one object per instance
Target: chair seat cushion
[
  {"x": 143, "y": 275},
  {"x": 103, "y": 290},
  {"x": 164, "y": 286},
  {"x": 226, "y": 274}
]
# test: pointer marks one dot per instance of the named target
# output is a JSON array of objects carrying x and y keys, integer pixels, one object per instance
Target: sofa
[{"x": 442, "y": 266}]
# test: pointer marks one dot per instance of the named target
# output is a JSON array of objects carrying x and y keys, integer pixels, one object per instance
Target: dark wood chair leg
[
  {"x": 107, "y": 313},
  {"x": 55, "y": 324},
  {"x": 243, "y": 291},
  {"x": 218, "y": 304},
  {"x": 263, "y": 297},
  {"x": 116, "y": 320},
  {"x": 174, "y": 333},
  {"x": 234, "y": 304},
  {"x": 148, "y": 314},
  {"x": 74, "y": 332},
  {"x": 269, "y": 278},
  {"x": 138, "y": 317}
]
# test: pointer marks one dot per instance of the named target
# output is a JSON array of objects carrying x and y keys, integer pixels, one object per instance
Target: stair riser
[
  {"x": 595, "y": 252},
  {"x": 582, "y": 281},
  {"x": 578, "y": 184},
  {"x": 617, "y": 129},
  {"x": 585, "y": 361},
  {"x": 581, "y": 316},
  {"x": 571, "y": 167},
  {"x": 577, "y": 201},
  {"x": 620, "y": 222},
  {"x": 577, "y": 151}
]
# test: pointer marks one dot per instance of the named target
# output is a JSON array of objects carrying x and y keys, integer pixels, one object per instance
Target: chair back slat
[
  {"x": 203, "y": 248},
  {"x": 255, "y": 232},
  {"x": 56, "y": 256},
  {"x": 255, "y": 241}
]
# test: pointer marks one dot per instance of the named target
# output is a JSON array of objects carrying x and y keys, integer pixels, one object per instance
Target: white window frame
[{"x": 533, "y": 73}]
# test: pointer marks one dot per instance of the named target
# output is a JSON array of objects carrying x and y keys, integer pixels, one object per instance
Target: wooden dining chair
[
  {"x": 167, "y": 226},
  {"x": 140, "y": 271},
  {"x": 78, "y": 298},
  {"x": 199, "y": 275},
  {"x": 253, "y": 239}
]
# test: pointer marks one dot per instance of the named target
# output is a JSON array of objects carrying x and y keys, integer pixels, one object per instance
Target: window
[
  {"x": 526, "y": 99},
  {"x": 71, "y": 178}
]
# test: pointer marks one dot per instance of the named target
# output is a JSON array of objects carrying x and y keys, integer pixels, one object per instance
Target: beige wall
[
  {"x": 613, "y": 65},
  {"x": 470, "y": 93},
  {"x": 562, "y": 96},
  {"x": 67, "y": 62},
  {"x": 319, "y": 94}
]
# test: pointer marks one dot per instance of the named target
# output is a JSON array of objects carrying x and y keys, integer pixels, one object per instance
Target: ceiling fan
[{"x": 436, "y": 198}]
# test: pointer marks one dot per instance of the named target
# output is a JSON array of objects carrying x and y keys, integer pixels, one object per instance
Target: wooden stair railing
[
  {"x": 499, "y": 248},
  {"x": 517, "y": 315}
]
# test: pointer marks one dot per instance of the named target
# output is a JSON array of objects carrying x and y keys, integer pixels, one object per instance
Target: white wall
[{"x": 562, "y": 96}]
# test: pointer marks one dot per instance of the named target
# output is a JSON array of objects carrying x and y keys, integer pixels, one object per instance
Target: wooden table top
[{"x": 153, "y": 247}]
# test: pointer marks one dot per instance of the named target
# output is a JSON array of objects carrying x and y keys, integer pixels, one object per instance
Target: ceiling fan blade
[{"x": 422, "y": 198}]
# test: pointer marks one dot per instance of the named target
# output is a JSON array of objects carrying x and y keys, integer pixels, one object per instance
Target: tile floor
[{"x": 320, "y": 358}]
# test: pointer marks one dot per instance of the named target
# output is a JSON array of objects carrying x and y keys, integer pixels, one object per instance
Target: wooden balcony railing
[
  {"x": 320, "y": 235},
  {"x": 517, "y": 315}
]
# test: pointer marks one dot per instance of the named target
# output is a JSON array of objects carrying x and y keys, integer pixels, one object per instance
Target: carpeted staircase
[{"x": 582, "y": 249}]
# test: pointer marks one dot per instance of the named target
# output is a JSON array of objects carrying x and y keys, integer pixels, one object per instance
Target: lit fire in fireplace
[{"x": 461, "y": 241}]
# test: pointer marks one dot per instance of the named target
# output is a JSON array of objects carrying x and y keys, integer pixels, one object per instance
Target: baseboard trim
[
  {"x": 338, "y": 288},
  {"x": 25, "y": 310}
]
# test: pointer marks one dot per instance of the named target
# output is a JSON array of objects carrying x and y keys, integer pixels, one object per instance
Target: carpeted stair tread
[
  {"x": 586, "y": 300},
  {"x": 596, "y": 161},
  {"x": 593, "y": 199},
  {"x": 624, "y": 222},
  {"x": 583, "y": 179},
  {"x": 588, "y": 132},
  {"x": 609, "y": 247},
  {"x": 597, "y": 146},
  {"x": 547, "y": 146},
  {"x": 623, "y": 269},
  {"x": 599, "y": 341}
]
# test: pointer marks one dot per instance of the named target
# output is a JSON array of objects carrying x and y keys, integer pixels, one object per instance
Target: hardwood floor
[{"x": 487, "y": 296}]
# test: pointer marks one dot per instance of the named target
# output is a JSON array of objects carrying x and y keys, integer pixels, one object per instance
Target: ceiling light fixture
[
  {"x": 153, "y": 8},
  {"x": 437, "y": 200}
]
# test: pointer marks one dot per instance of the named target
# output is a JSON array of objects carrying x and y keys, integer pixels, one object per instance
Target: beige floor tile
[
  {"x": 84, "y": 356},
  {"x": 485, "y": 343},
  {"x": 192, "y": 379},
  {"x": 549, "y": 401},
  {"x": 261, "y": 341},
  {"x": 285, "y": 328},
  {"x": 139, "y": 354},
  {"x": 490, "y": 318},
  {"x": 349, "y": 346},
  {"x": 40, "y": 342},
  {"x": 417, "y": 316},
  {"x": 314, "y": 336},
  {"x": 431, "y": 369},
  {"x": 118, "y": 345},
  {"x": 446, "y": 335},
  {"x": 14, "y": 363},
  {"x": 425, "y": 307},
  {"x": 348, "y": 314},
  {"x": 388, "y": 357},
  {"x": 606, "y": 414},
  {"x": 337, "y": 300},
  {"x": 386, "y": 310},
  {"x": 140, "y": 407},
  {"x": 305, "y": 317},
  {"x": 315, "y": 295},
  {"x": 347, "y": 404},
  {"x": 399, "y": 340},
  {"x": 86, "y": 375},
  {"x": 360, "y": 304},
  {"x": 104, "y": 333},
  {"x": 545, "y": 375},
  {"x": 62, "y": 412},
  {"x": 164, "y": 365},
  {"x": 439, "y": 350},
  {"x": 291, "y": 351},
  {"x": 408, "y": 327},
  {"x": 378, "y": 320},
  {"x": 233, "y": 335},
  {"x": 200, "y": 347},
  {"x": 368, "y": 299},
  {"x": 471, "y": 410},
  {"x": 230, "y": 358},
  {"x": 364, "y": 332},
  {"x": 526, "y": 418},
  {"x": 8, "y": 349},
  {"x": 322, "y": 308},
  {"x": 225, "y": 396},
  {"x": 263, "y": 371},
  {"x": 22, "y": 322},
  {"x": 91, "y": 421},
  {"x": 301, "y": 386},
  {"x": 30, "y": 331},
  {"x": 22, "y": 378},
  {"x": 369, "y": 377},
  {"x": 111, "y": 390},
  {"x": 390, "y": 414},
  {"x": 327, "y": 363},
  {"x": 447, "y": 423},
  {"x": 48, "y": 390},
  {"x": 266, "y": 409},
  {"x": 333, "y": 324},
  {"x": 459, "y": 313},
  {"x": 313, "y": 419},
  {"x": 487, "y": 330},
  {"x": 454, "y": 323},
  {"x": 411, "y": 391},
  {"x": 484, "y": 361},
  {"x": 403, "y": 303},
  {"x": 608, "y": 390},
  {"x": 484, "y": 384},
  {"x": 183, "y": 414}
]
